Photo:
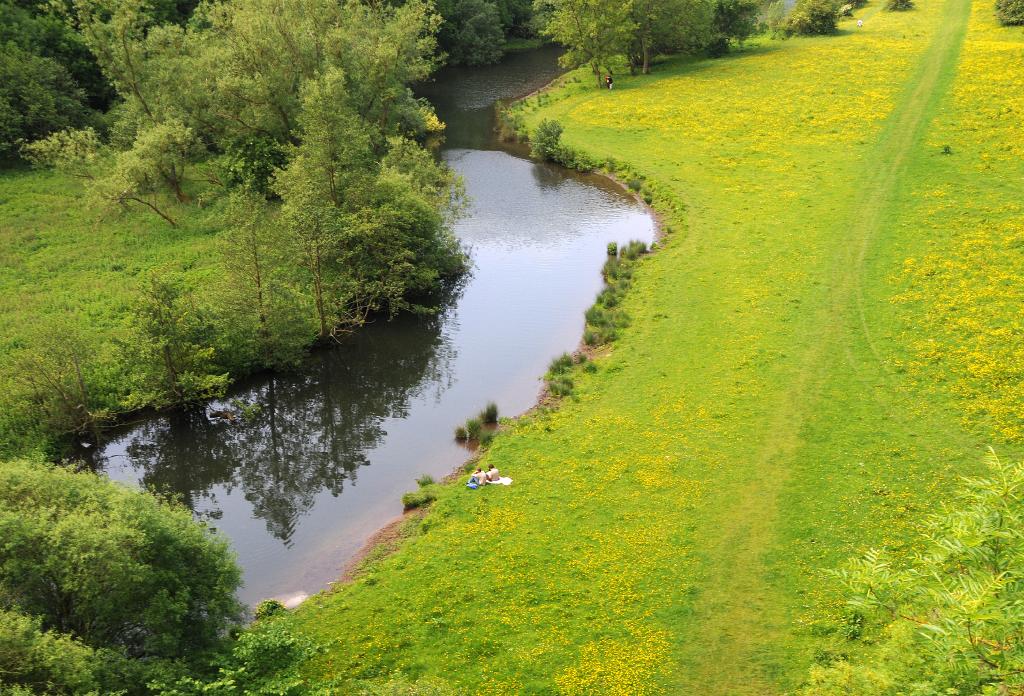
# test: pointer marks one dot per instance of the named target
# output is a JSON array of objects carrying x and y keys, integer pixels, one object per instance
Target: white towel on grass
[{"x": 503, "y": 480}]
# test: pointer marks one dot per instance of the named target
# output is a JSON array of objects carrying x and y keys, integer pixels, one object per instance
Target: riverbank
[{"x": 788, "y": 391}]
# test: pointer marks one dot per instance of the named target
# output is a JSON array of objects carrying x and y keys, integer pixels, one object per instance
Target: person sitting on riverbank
[
  {"x": 492, "y": 475},
  {"x": 477, "y": 478}
]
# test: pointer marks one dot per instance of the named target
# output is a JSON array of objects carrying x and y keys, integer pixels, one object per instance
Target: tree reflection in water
[{"x": 313, "y": 429}]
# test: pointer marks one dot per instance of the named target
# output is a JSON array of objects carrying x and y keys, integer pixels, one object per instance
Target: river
[{"x": 301, "y": 486}]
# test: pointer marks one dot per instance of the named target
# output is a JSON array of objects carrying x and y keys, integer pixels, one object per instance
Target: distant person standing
[
  {"x": 608, "y": 80},
  {"x": 860, "y": 22}
]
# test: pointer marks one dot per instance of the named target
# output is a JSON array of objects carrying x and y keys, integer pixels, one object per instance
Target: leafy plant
[
  {"x": 812, "y": 17},
  {"x": 955, "y": 611},
  {"x": 545, "y": 141},
  {"x": 1010, "y": 12}
]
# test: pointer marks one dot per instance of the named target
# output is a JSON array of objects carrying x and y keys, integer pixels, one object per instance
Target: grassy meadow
[
  {"x": 62, "y": 260},
  {"x": 828, "y": 337}
]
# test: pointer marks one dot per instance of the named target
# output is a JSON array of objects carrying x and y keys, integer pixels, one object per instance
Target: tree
[
  {"x": 732, "y": 20},
  {"x": 37, "y": 98},
  {"x": 812, "y": 17},
  {"x": 666, "y": 26},
  {"x": 955, "y": 613},
  {"x": 331, "y": 161},
  {"x": 546, "y": 141},
  {"x": 43, "y": 30},
  {"x": 594, "y": 31},
  {"x": 43, "y": 661},
  {"x": 155, "y": 163},
  {"x": 112, "y": 567},
  {"x": 257, "y": 295},
  {"x": 383, "y": 50},
  {"x": 1010, "y": 12},
  {"x": 171, "y": 341},
  {"x": 472, "y": 32}
]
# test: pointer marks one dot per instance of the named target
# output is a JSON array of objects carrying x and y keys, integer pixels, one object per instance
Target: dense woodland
[{"x": 295, "y": 122}]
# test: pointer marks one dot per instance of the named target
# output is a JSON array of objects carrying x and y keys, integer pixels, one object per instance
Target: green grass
[
  {"x": 61, "y": 260},
  {"x": 671, "y": 525}
]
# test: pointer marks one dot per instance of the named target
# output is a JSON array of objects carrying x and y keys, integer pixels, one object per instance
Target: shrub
[
  {"x": 490, "y": 413},
  {"x": 634, "y": 184},
  {"x": 473, "y": 428},
  {"x": 899, "y": 5},
  {"x": 560, "y": 364},
  {"x": 813, "y": 17},
  {"x": 268, "y": 608},
  {"x": 45, "y": 662},
  {"x": 634, "y": 250},
  {"x": 561, "y": 386},
  {"x": 115, "y": 567},
  {"x": 460, "y": 434},
  {"x": 487, "y": 437},
  {"x": 421, "y": 498},
  {"x": 613, "y": 249},
  {"x": 425, "y": 480},
  {"x": 1010, "y": 11},
  {"x": 545, "y": 142}
]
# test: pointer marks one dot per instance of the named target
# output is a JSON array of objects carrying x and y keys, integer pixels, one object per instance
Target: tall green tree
[
  {"x": 594, "y": 31},
  {"x": 37, "y": 98},
  {"x": 666, "y": 26},
  {"x": 258, "y": 294},
  {"x": 733, "y": 20},
  {"x": 472, "y": 32}
]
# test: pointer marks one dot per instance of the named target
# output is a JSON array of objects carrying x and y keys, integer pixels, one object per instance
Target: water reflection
[{"x": 311, "y": 432}]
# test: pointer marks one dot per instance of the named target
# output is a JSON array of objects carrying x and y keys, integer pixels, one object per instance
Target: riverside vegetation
[
  {"x": 826, "y": 340},
  {"x": 823, "y": 345}
]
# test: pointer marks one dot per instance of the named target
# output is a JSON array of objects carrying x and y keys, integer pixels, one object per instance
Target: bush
[
  {"x": 613, "y": 249},
  {"x": 490, "y": 413},
  {"x": 1010, "y": 11},
  {"x": 545, "y": 142},
  {"x": 634, "y": 250},
  {"x": 43, "y": 661},
  {"x": 563, "y": 363},
  {"x": 813, "y": 17},
  {"x": 115, "y": 567},
  {"x": 487, "y": 437},
  {"x": 421, "y": 498},
  {"x": 460, "y": 433},
  {"x": 561, "y": 386},
  {"x": 473, "y": 428},
  {"x": 425, "y": 480},
  {"x": 262, "y": 662},
  {"x": 268, "y": 608},
  {"x": 899, "y": 5}
]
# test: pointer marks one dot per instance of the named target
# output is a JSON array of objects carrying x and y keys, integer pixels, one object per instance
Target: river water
[{"x": 300, "y": 487}]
